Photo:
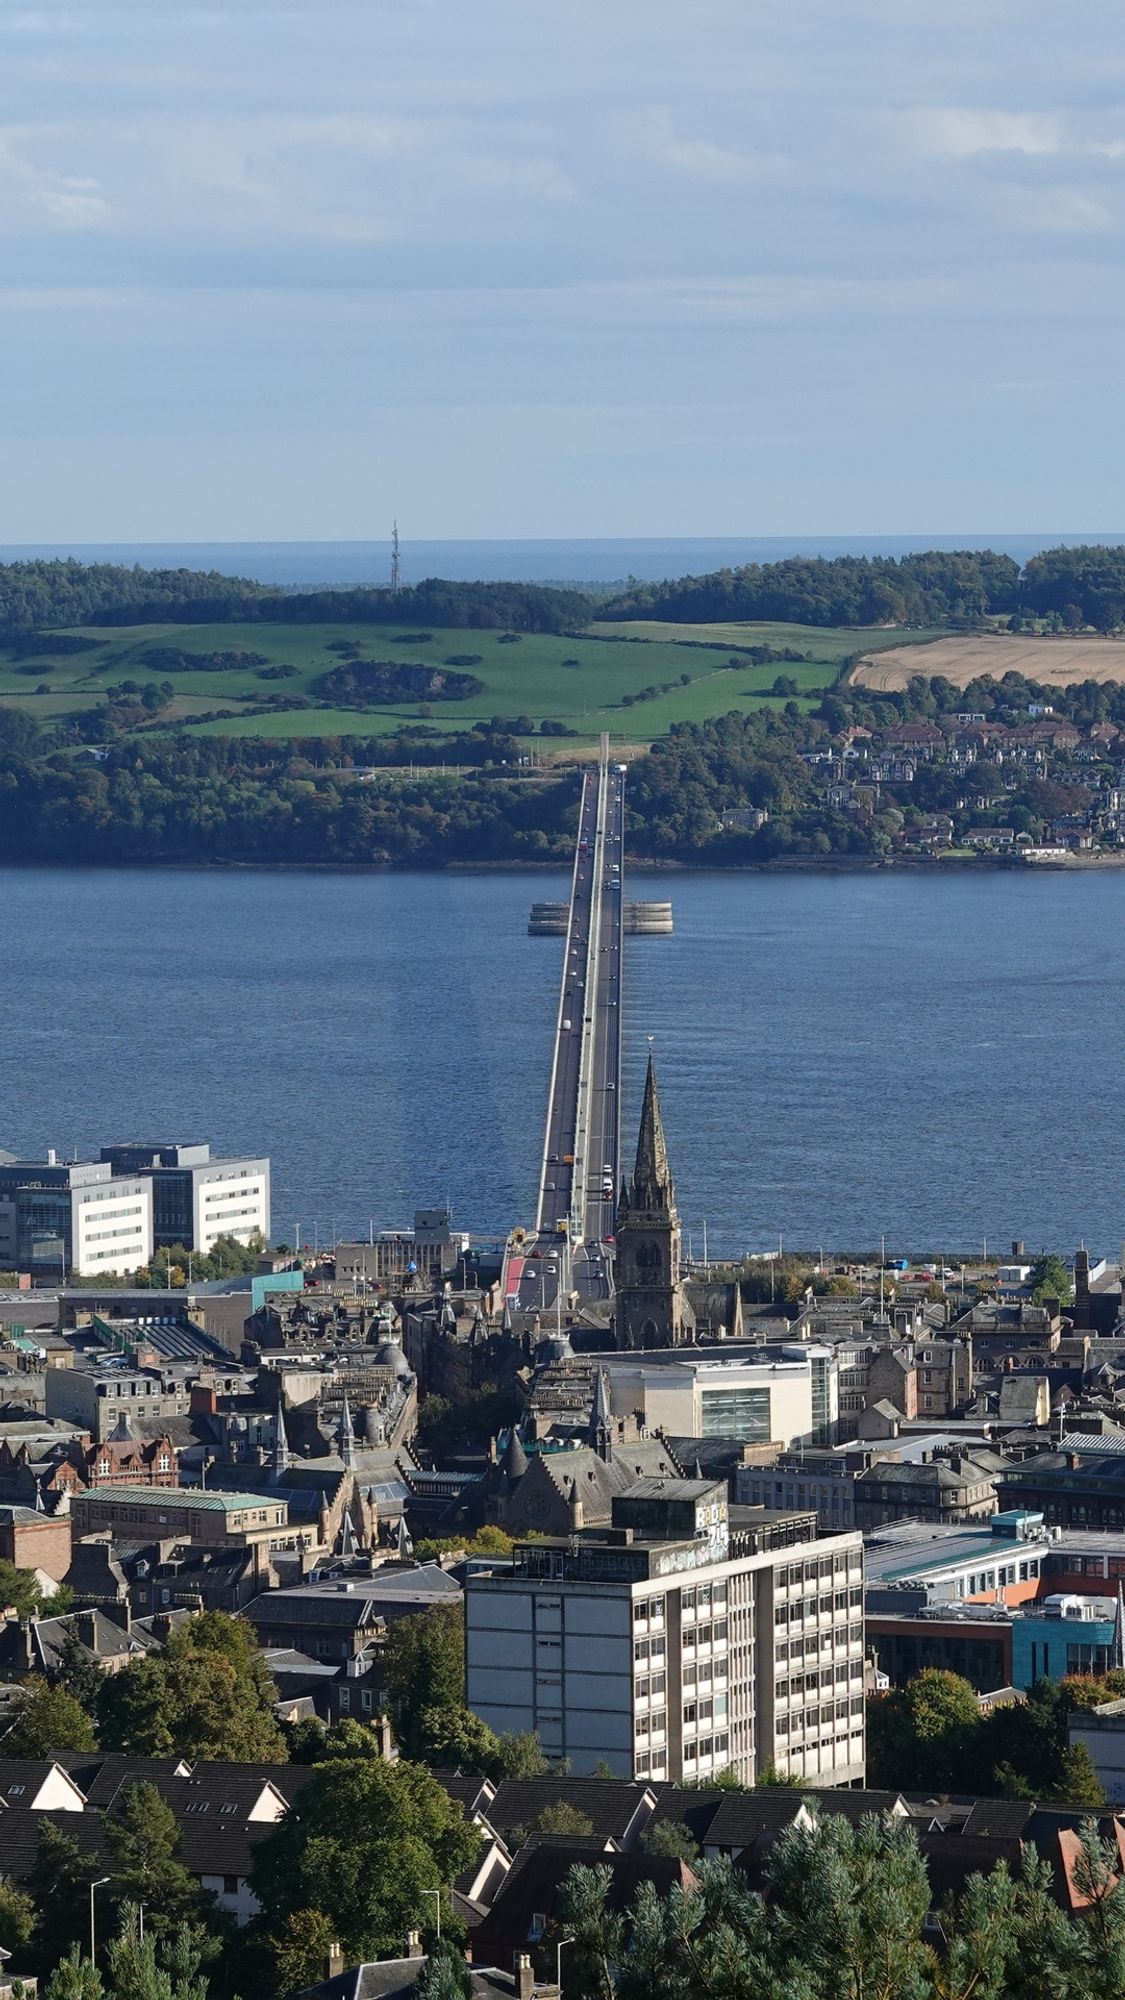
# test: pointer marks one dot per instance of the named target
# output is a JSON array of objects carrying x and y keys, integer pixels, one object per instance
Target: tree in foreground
[
  {"x": 207, "y": 1695},
  {"x": 363, "y": 1842},
  {"x": 46, "y": 1719},
  {"x": 145, "y": 1838},
  {"x": 74, "y": 1978},
  {"x": 140, "y": 1968},
  {"x": 455, "y": 1739},
  {"x": 424, "y": 1662}
]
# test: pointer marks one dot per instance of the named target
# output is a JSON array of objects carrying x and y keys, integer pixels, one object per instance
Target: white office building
[
  {"x": 60, "y": 1219},
  {"x": 670, "y": 1646},
  {"x": 788, "y": 1397},
  {"x": 197, "y": 1199}
]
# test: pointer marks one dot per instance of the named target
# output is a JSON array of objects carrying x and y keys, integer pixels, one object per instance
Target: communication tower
[{"x": 396, "y": 572}]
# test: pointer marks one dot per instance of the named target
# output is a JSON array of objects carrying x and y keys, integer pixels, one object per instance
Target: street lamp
[
  {"x": 99, "y": 1884},
  {"x": 558, "y": 1961},
  {"x": 436, "y": 1893}
]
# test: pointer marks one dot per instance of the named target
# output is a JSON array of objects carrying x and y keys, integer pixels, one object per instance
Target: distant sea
[{"x": 342, "y": 565}]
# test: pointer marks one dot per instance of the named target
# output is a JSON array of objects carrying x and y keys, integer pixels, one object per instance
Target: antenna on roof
[{"x": 396, "y": 571}]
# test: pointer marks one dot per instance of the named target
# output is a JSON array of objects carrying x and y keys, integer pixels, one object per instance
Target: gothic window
[
  {"x": 648, "y": 1333},
  {"x": 648, "y": 1258}
]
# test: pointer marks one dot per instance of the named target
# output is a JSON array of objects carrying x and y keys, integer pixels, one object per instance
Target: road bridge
[{"x": 579, "y": 1173}]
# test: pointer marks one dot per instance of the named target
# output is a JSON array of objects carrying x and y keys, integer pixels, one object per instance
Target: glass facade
[{"x": 737, "y": 1413}]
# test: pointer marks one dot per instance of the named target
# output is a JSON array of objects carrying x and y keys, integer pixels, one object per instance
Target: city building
[
  {"x": 99, "y": 1397},
  {"x": 58, "y": 1218},
  {"x": 650, "y": 1309},
  {"x": 672, "y": 1644},
  {"x": 784, "y": 1396},
  {"x": 1069, "y": 1489},
  {"x": 420, "y": 1256},
  {"x": 944, "y": 1485},
  {"x": 139, "y": 1513},
  {"x": 994, "y": 1647},
  {"x": 1101, "y": 1731},
  {"x": 196, "y": 1199}
]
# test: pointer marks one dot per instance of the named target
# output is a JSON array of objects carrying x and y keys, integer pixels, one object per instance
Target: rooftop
[{"x": 194, "y": 1497}]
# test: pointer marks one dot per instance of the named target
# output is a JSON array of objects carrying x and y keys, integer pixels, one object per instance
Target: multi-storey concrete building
[
  {"x": 783, "y": 1396},
  {"x": 61, "y": 1217},
  {"x": 197, "y": 1199},
  {"x": 671, "y": 1645},
  {"x": 138, "y": 1513},
  {"x": 99, "y": 1397}
]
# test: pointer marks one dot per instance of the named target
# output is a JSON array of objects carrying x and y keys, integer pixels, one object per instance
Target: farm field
[
  {"x": 587, "y": 683},
  {"x": 827, "y": 643},
  {"x": 962, "y": 657}
]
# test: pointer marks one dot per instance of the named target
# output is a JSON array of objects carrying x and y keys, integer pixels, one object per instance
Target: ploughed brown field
[{"x": 961, "y": 657}]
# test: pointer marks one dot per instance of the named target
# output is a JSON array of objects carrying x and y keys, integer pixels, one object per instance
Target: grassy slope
[{"x": 526, "y": 678}]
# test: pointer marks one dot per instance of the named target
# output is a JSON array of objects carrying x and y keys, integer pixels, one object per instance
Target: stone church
[{"x": 651, "y": 1308}]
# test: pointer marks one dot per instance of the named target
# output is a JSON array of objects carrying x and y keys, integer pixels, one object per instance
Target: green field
[{"x": 530, "y": 677}]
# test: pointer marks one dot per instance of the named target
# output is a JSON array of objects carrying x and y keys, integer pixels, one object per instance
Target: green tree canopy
[
  {"x": 363, "y": 1841},
  {"x": 144, "y": 1836},
  {"x": 424, "y": 1664},
  {"x": 19, "y": 1590},
  {"x": 207, "y": 1695},
  {"x": 46, "y": 1719}
]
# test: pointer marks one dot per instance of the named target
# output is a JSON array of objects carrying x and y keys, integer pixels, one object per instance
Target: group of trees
[
  {"x": 207, "y": 1694},
  {"x": 362, "y": 683},
  {"x": 935, "y": 587},
  {"x": 170, "y": 1267},
  {"x": 39, "y": 594},
  {"x": 846, "y": 1915},
  {"x": 932, "y": 587},
  {"x": 953, "y": 588},
  {"x": 424, "y": 1676},
  {"x": 930, "y": 1735},
  {"x": 183, "y": 798}
]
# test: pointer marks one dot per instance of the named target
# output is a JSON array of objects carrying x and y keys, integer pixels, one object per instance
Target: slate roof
[
  {"x": 393, "y": 1978},
  {"x": 610, "y": 1804},
  {"x": 535, "y": 1878}
]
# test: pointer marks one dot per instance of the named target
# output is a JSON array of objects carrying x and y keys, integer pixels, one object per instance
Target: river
[{"x": 841, "y": 1056}]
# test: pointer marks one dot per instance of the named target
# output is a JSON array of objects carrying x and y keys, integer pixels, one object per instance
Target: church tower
[{"x": 649, "y": 1307}]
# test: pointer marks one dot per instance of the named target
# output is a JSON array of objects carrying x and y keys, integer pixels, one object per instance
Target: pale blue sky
[{"x": 546, "y": 267}]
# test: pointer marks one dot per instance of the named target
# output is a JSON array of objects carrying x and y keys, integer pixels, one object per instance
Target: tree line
[
  {"x": 39, "y": 594},
  {"x": 950, "y": 588},
  {"x": 955, "y": 588},
  {"x": 847, "y": 1913}
]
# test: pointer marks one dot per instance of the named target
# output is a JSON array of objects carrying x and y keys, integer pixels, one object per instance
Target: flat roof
[
  {"x": 911, "y": 1548},
  {"x": 191, "y": 1496}
]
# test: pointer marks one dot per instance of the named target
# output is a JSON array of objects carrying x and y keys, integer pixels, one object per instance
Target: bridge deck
[{"x": 580, "y": 1169}]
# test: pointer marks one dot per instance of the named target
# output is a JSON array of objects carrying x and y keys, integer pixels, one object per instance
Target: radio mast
[{"x": 396, "y": 573}]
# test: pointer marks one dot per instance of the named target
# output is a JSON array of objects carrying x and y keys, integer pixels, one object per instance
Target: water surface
[{"x": 940, "y": 1059}]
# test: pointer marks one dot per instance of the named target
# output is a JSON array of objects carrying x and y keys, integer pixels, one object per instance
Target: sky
[{"x": 558, "y": 268}]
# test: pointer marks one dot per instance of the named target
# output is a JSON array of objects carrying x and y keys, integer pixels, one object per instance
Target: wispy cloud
[{"x": 958, "y": 133}]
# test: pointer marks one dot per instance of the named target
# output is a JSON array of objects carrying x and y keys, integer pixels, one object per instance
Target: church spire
[
  {"x": 347, "y": 1437},
  {"x": 600, "y": 1432},
  {"x": 651, "y": 1309},
  {"x": 652, "y": 1178}
]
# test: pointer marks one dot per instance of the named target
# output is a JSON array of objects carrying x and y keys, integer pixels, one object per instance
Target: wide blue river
[{"x": 939, "y": 1060}]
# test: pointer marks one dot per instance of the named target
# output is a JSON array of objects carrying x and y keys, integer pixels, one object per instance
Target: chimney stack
[
  {"x": 525, "y": 1976},
  {"x": 414, "y": 1945},
  {"x": 335, "y": 1962}
]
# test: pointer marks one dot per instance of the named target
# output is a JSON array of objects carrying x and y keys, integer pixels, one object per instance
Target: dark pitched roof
[
  {"x": 999, "y": 1819},
  {"x": 395, "y": 1978},
  {"x": 742, "y": 1816},
  {"x": 610, "y": 1804},
  {"x": 540, "y": 1868}
]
